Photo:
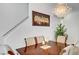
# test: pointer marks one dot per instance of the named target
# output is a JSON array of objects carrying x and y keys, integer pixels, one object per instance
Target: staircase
[{"x": 12, "y": 22}]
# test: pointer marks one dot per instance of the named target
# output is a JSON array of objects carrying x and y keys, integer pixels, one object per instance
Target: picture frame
[{"x": 40, "y": 19}]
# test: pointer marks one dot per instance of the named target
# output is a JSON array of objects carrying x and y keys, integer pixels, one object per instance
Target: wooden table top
[{"x": 31, "y": 50}]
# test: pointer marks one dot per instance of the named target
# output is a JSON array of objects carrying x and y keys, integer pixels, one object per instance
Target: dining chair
[
  {"x": 61, "y": 42},
  {"x": 40, "y": 39},
  {"x": 7, "y": 50},
  {"x": 28, "y": 42},
  {"x": 61, "y": 39},
  {"x": 33, "y": 41}
]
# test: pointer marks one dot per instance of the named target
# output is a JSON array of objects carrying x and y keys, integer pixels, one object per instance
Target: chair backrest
[
  {"x": 35, "y": 40},
  {"x": 30, "y": 41},
  {"x": 40, "y": 39},
  {"x": 61, "y": 39},
  {"x": 70, "y": 50}
]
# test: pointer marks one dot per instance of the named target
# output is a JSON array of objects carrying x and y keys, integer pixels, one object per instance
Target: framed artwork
[{"x": 40, "y": 19}]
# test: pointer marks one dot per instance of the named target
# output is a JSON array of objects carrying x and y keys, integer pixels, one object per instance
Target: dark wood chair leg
[
  {"x": 36, "y": 43},
  {"x": 26, "y": 45}
]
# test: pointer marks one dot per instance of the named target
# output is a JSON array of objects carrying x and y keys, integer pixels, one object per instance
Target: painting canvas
[{"x": 40, "y": 19}]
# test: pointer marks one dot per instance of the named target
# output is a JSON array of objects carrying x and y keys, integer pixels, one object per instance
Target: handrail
[{"x": 15, "y": 26}]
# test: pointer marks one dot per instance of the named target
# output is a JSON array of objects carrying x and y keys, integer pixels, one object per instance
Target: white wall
[
  {"x": 72, "y": 25},
  {"x": 16, "y": 40},
  {"x": 10, "y": 15}
]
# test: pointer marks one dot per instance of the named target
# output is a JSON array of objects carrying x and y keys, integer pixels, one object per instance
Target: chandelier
[{"x": 61, "y": 10}]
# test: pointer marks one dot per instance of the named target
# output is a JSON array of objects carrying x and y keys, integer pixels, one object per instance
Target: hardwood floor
[{"x": 31, "y": 50}]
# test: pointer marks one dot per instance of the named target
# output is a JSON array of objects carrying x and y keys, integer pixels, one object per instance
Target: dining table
[{"x": 50, "y": 48}]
